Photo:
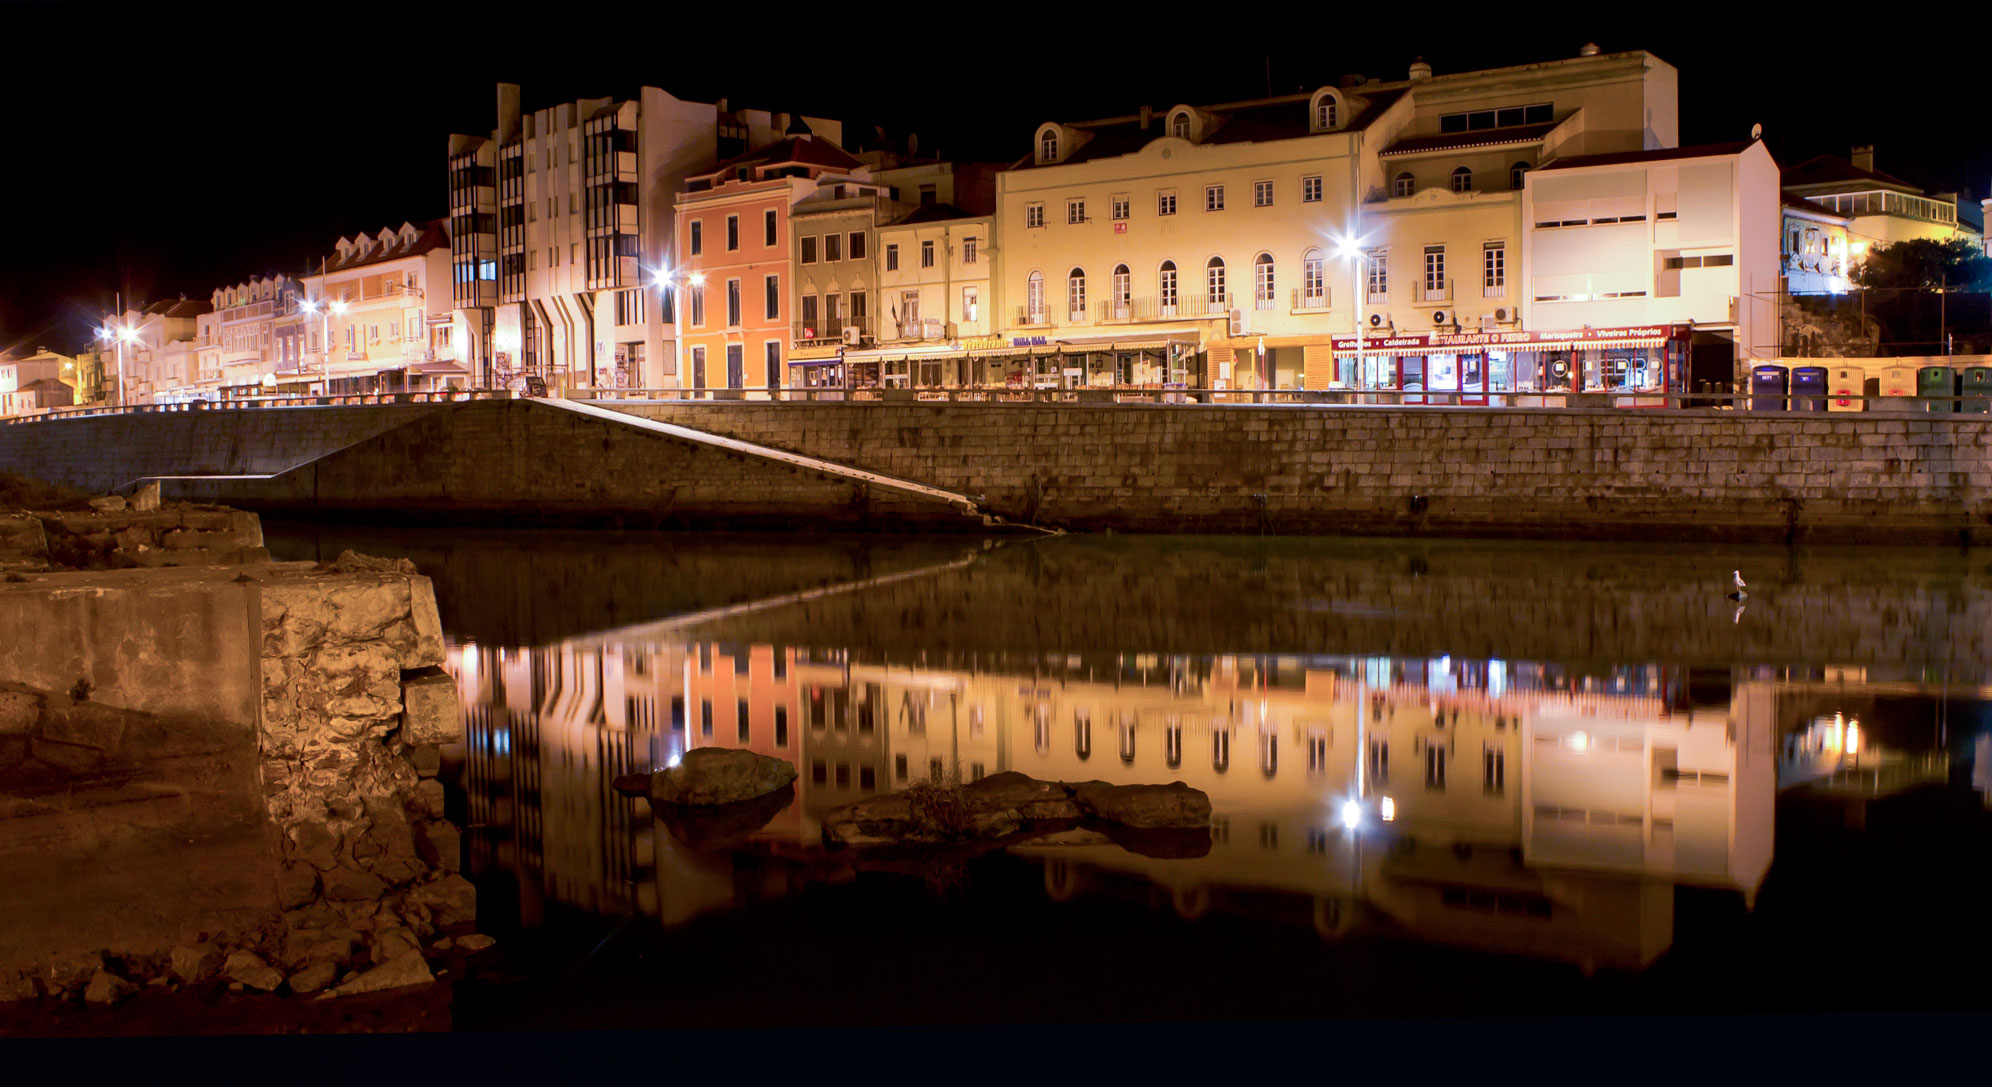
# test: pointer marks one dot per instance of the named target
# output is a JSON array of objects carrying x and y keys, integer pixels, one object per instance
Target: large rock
[
  {"x": 1174, "y": 805},
  {"x": 429, "y": 708},
  {"x": 19, "y": 711},
  {"x": 106, "y": 988},
  {"x": 249, "y": 969},
  {"x": 439, "y": 843},
  {"x": 146, "y": 497},
  {"x": 313, "y": 978},
  {"x": 196, "y": 962},
  {"x": 720, "y": 775},
  {"x": 352, "y": 885},
  {"x": 68, "y": 973},
  {"x": 722, "y": 826},
  {"x": 451, "y": 900},
  {"x": 995, "y": 807},
  {"x": 400, "y": 972},
  {"x": 17, "y": 985}
]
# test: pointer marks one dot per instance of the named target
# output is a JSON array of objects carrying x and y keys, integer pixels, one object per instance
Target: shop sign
[
  {"x": 1432, "y": 340},
  {"x": 1028, "y": 341},
  {"x": 982, "y": 343},
  {"x": 1120, "y": 228}
]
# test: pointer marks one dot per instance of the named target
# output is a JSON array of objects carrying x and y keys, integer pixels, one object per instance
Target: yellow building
[
  {"x": 1884, "y": 209},
  {"x": 1238, "y": 232}
]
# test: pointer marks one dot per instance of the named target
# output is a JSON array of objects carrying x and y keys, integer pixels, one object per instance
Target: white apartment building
[
  {"x": 936, "y": 271},
  {"x": 561, "y": 221},
  {"x": 246, "y": 317},
  {"x": 162, "y": 360},
  {"x": 1246, "y": 244},
  {"x": 35, "y": 383},
  {"x": 376, "y": 318}
]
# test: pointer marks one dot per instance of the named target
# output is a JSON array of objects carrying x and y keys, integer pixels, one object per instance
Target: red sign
[
  {"x": 1440, "y": 341},
  {"x": 1120, "y": 228}
]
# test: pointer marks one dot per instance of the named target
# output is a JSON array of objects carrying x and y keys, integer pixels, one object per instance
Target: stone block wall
[{"x": 1410, "y": 471}]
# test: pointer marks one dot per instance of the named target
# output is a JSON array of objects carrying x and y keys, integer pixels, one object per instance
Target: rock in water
[
  {"x": 197, "y": 962},
  {"x": 313, "y": 978},
  {"x": 720, "y": 775},
  {"x": 722, "y": 826},
  {"x": 245, "y": 967},
  {"x": 476, "y": 942},
  {"x": 1144, "y": 806},
  {"x": 106, "y": 988}
]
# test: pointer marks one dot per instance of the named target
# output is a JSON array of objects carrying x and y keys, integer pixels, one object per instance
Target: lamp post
[
  {"x": 121, "y": 334},
  {"x": 662, "y": 279},
  {"x": 1350, "y": 249},
  {"x": 325, "y": 329}
]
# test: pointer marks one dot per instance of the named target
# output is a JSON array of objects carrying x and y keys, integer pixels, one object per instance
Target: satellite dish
[{"x": 1756, "y": 132}]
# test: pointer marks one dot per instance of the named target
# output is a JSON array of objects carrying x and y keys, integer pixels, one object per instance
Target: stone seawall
[{"x": 1411, "y": 472}]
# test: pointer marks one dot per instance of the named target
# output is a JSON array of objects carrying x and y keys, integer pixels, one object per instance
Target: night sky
[{"x": 170, "y": 148}]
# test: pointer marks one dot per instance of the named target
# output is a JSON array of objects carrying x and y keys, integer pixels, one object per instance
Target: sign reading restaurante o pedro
[{"x": 1435, "y": 341}]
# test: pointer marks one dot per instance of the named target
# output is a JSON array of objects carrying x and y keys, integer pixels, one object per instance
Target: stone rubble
[{"x": 1006, "y": 804}]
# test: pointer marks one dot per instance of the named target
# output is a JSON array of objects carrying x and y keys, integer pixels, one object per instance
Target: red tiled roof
[
  {"x": 1663, "y": 154},
  {"x": 1833, "y": 170},
  {"x": 1256, "y": 121},
  {"x": 798, "y": 150},
  {"x": 431, "y": 235}
]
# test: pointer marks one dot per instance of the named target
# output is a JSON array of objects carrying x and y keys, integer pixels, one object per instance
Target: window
[
  {"x": 705, "y": 717},
  {"x": 1034, "y": 299},
  {"x": 732, "y": 233},
  {"x": 968, "y": 250},
  {"x": 1475, "y": 120},
  {"x": 1075, "y": 295},
  {"x": 697, "y": 292},
  {"x": 1048, "y": 146},
  {"x": 1324, "y": 113},
  {"x": 1179, "y": 126},
  {"x": 773, "y": 286},
  {"x": 629, "y": 307},
  {"x": 857, "y": 246},
  {"x": 809, "y": 249},
  {"x": 1313, "y": 284},
  {"x": 1403, "y": 185},
  {"x": 1435, "y": 273},
  {"x": 1118, "y": 205},
  {"x": 1378, "y": 275},
  {"x": 929, "y": 196},
  {"x": 926, "y": 254},
  {"x": 1213, "y": 198},
  {"x": 1121, "y": 287},
  {"x": 1214, "y": 282},
  {"x": 698, "y": 367},
  {"x": 1220, "y": 749},
  {"x": 1262, "y": 281},
  {"x": 892, "y": 258},
  {"x": 1462, "y": 180},
  {"x": 1435, "y": 767},
  {"x": 698, "y": 237},
  {"x": 741, "y": 721},
  {"x": 781, "y": 717},
  {"x": 1262, "y": 194},
  {"x": 858, "y": 310},
  {"x": 969, "y": 296},
  {"x": 1075, "y": 212},
  {"x": 1516, "y": 174},
  {"x": 1310, "y": 189},
  {"x": 1493, "y": 770},
  {"x": 899, "y": 768},
  {"x": 1168, "y": 288},
  {"x": 773, "y": 352},
  {"x": 1494, "y": 269},
  {"x": 768, "y": 228},
  {"x": 909, "y": 312},
  {"x": 732, "y": 303},
  {"x": 1379, "y": 762},
  {"x": 1034, "y": 214}
]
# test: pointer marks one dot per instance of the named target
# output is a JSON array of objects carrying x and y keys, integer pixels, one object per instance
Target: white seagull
[{"x": 1741, "y": 589}]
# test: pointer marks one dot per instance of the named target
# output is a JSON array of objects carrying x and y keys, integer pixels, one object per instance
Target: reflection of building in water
[{"x": 1497, "y": 804}]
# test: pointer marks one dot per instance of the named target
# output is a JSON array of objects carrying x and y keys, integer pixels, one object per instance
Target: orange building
[{"x": 734, "y": 260}]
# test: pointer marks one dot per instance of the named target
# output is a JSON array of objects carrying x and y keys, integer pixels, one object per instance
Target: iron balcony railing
[
  {"x": 1160, "y": 308},
  {"x": 1308, "y": 301}
]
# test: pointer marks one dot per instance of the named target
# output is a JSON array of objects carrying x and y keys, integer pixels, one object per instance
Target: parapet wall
[{"x": 1411, "y": 471}]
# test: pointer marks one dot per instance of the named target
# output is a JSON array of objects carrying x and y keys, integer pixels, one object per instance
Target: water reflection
[{"x": 1506, "y": 805}]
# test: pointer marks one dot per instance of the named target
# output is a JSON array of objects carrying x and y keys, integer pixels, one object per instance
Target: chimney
[
  {"x": 1590, "y": 50},
  {"x": 508, "y": 112},
  {"x": 1420, "y": 70},
  {"x": 720, "y": 105},
  {"x": 1863, "y": 158},
  {"x": 1146, "y": 115},
  {"x": 1352, "y": 80},
  {"x": 913, "y": 145}
]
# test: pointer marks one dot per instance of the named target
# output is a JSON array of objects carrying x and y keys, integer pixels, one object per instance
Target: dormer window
[
  {"x": 1048, "y": 146},
  {"x": 1327, "y": 116},
  {"x": 1179, "y": 126}
]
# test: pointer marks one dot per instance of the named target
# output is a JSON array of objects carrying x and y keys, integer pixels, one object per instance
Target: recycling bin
[
  {"x": 1844, "y": 386},
  {"x": 1935, "y": 385},
  {"x": 1977, "y": 383},
  {"x": 1769, "y": 386},
  {"x": 1808, "y": 388},
  {"x": 1897, "y": 388}
]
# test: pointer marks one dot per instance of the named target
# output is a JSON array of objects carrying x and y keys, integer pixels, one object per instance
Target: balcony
[
  {"x": 831, "y": 330},
  {"x": 1310, "y": 301},
  {"x": 1028, "y": 319},
  {"x": 1152, "y": 308},
  {"x": 1434, "y": 292}
]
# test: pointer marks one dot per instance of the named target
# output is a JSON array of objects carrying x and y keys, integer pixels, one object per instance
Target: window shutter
[{"x": 1317, "y": 366}]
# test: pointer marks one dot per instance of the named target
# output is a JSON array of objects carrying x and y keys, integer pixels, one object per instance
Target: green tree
[{"x": 1926, "y": 264}]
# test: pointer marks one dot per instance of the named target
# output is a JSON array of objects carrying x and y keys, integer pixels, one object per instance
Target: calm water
[{"x": 1448, "y": 778}]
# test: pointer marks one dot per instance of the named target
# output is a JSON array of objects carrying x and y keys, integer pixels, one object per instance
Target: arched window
[
  {"x": 1123, "y": 288},
  {"x": 1075, "y": 295},
  {"x": 1034, "y": 299},
  {"x": 1214, "y": 284},
  {"x": 1179, "y": 126},
  {"x": 1082, "y": 734},
  {"x": 1048, "y": 146},
  {"x": 1262, "y": 281},
  {"x": 1313, "y": 281},
  {"x": 1515, "y": 173},
  {"x": 1324, "y": 113},
  {"x": 1402, "y": 185},
  {"x": 1462, "y": 180},
  {"x": 1168, "y": 289}
]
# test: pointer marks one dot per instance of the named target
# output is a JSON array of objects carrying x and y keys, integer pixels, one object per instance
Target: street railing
[{"x": 1962, "y": 408}]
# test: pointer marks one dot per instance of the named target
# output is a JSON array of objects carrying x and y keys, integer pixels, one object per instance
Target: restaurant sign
[
  {"x": 1435, "y": 341},
  {"x": 1027, "y": 341}
]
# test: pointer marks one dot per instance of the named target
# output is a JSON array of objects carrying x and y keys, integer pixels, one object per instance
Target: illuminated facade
[
  {"x": 1883, "y": 209},
  {"x": 1814, "y": 248},
  {"x": 378, "y": 321},
  {"x": 1241, "y": 230},
  {"x": 162, "y": 364},
  {"x": 246, "y": 319},
  {"x": 37, "y": 382},
  {"x": 561, "y": 218}
]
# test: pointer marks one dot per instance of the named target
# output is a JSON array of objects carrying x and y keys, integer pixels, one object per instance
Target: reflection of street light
[{"x": 1352, "y": 814}]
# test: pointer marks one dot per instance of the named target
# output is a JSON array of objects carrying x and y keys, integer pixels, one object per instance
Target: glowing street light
[{"x": 1352, "y": 814}]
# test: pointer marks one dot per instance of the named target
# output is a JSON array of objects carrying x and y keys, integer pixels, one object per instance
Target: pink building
[{"x": 734, "y": 260}]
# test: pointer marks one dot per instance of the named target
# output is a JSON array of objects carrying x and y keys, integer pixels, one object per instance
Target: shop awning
[
  {"x": 831, "y": 361},
  {"x": 1154, "y": 343},
  {"x": 438, "y": 368}
]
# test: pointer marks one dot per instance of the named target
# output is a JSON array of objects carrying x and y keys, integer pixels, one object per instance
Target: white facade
[{"x": 378, "y": 320}]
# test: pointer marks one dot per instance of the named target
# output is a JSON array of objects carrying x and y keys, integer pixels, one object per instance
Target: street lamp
[
  {"x": 123, "y": 334},
  {"x": 325, "y": 329},
  {"x": 1350, "y": 249}
]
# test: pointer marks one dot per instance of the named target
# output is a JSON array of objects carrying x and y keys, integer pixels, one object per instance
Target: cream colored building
[
  {"x": 1814, "y": 247},
  {"x": 1241, "y": 229},
  {"x": 395, "y": 332},
  {"x": 161, "y": 360},
  {"x": 1884, "y": 209},
  {"x": 246, "y": 322},
  {"x": 36, "y": 383}
]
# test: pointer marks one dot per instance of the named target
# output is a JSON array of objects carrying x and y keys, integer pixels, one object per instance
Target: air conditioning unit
[
  {"x": 1487, "y": 322},
  {"x": 1506, "y": 314},
  {"x": 931, "y": 329},
  {"x": 1439, "y": 317},
  {"x": 851, "y": 335},
  {"x": 1238, "y": 322},
  {"x": 1376, "y": 320}
]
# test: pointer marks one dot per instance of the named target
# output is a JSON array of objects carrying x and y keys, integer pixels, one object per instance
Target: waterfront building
[
  {"x": 378, "y": 319},
  {"x": 1814, "y": 247},
  {"x": 84, "y": 374},
  {"x": 1223, "y": 245},
  {"x": 562, "y": 218},
  {"x": 247, "y": 315},
  {"x": 1884, "y": 209},
  {"x": 161, "y": 361},
  {"x": 36, "y": 383},
  {"x": 731, "y": 286}
]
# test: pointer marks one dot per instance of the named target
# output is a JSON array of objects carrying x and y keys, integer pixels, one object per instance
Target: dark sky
[{"x": 169, "y": 148}]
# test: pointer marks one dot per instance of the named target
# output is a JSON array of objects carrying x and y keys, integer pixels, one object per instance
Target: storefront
[{"x": 1524, "y": 369}]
